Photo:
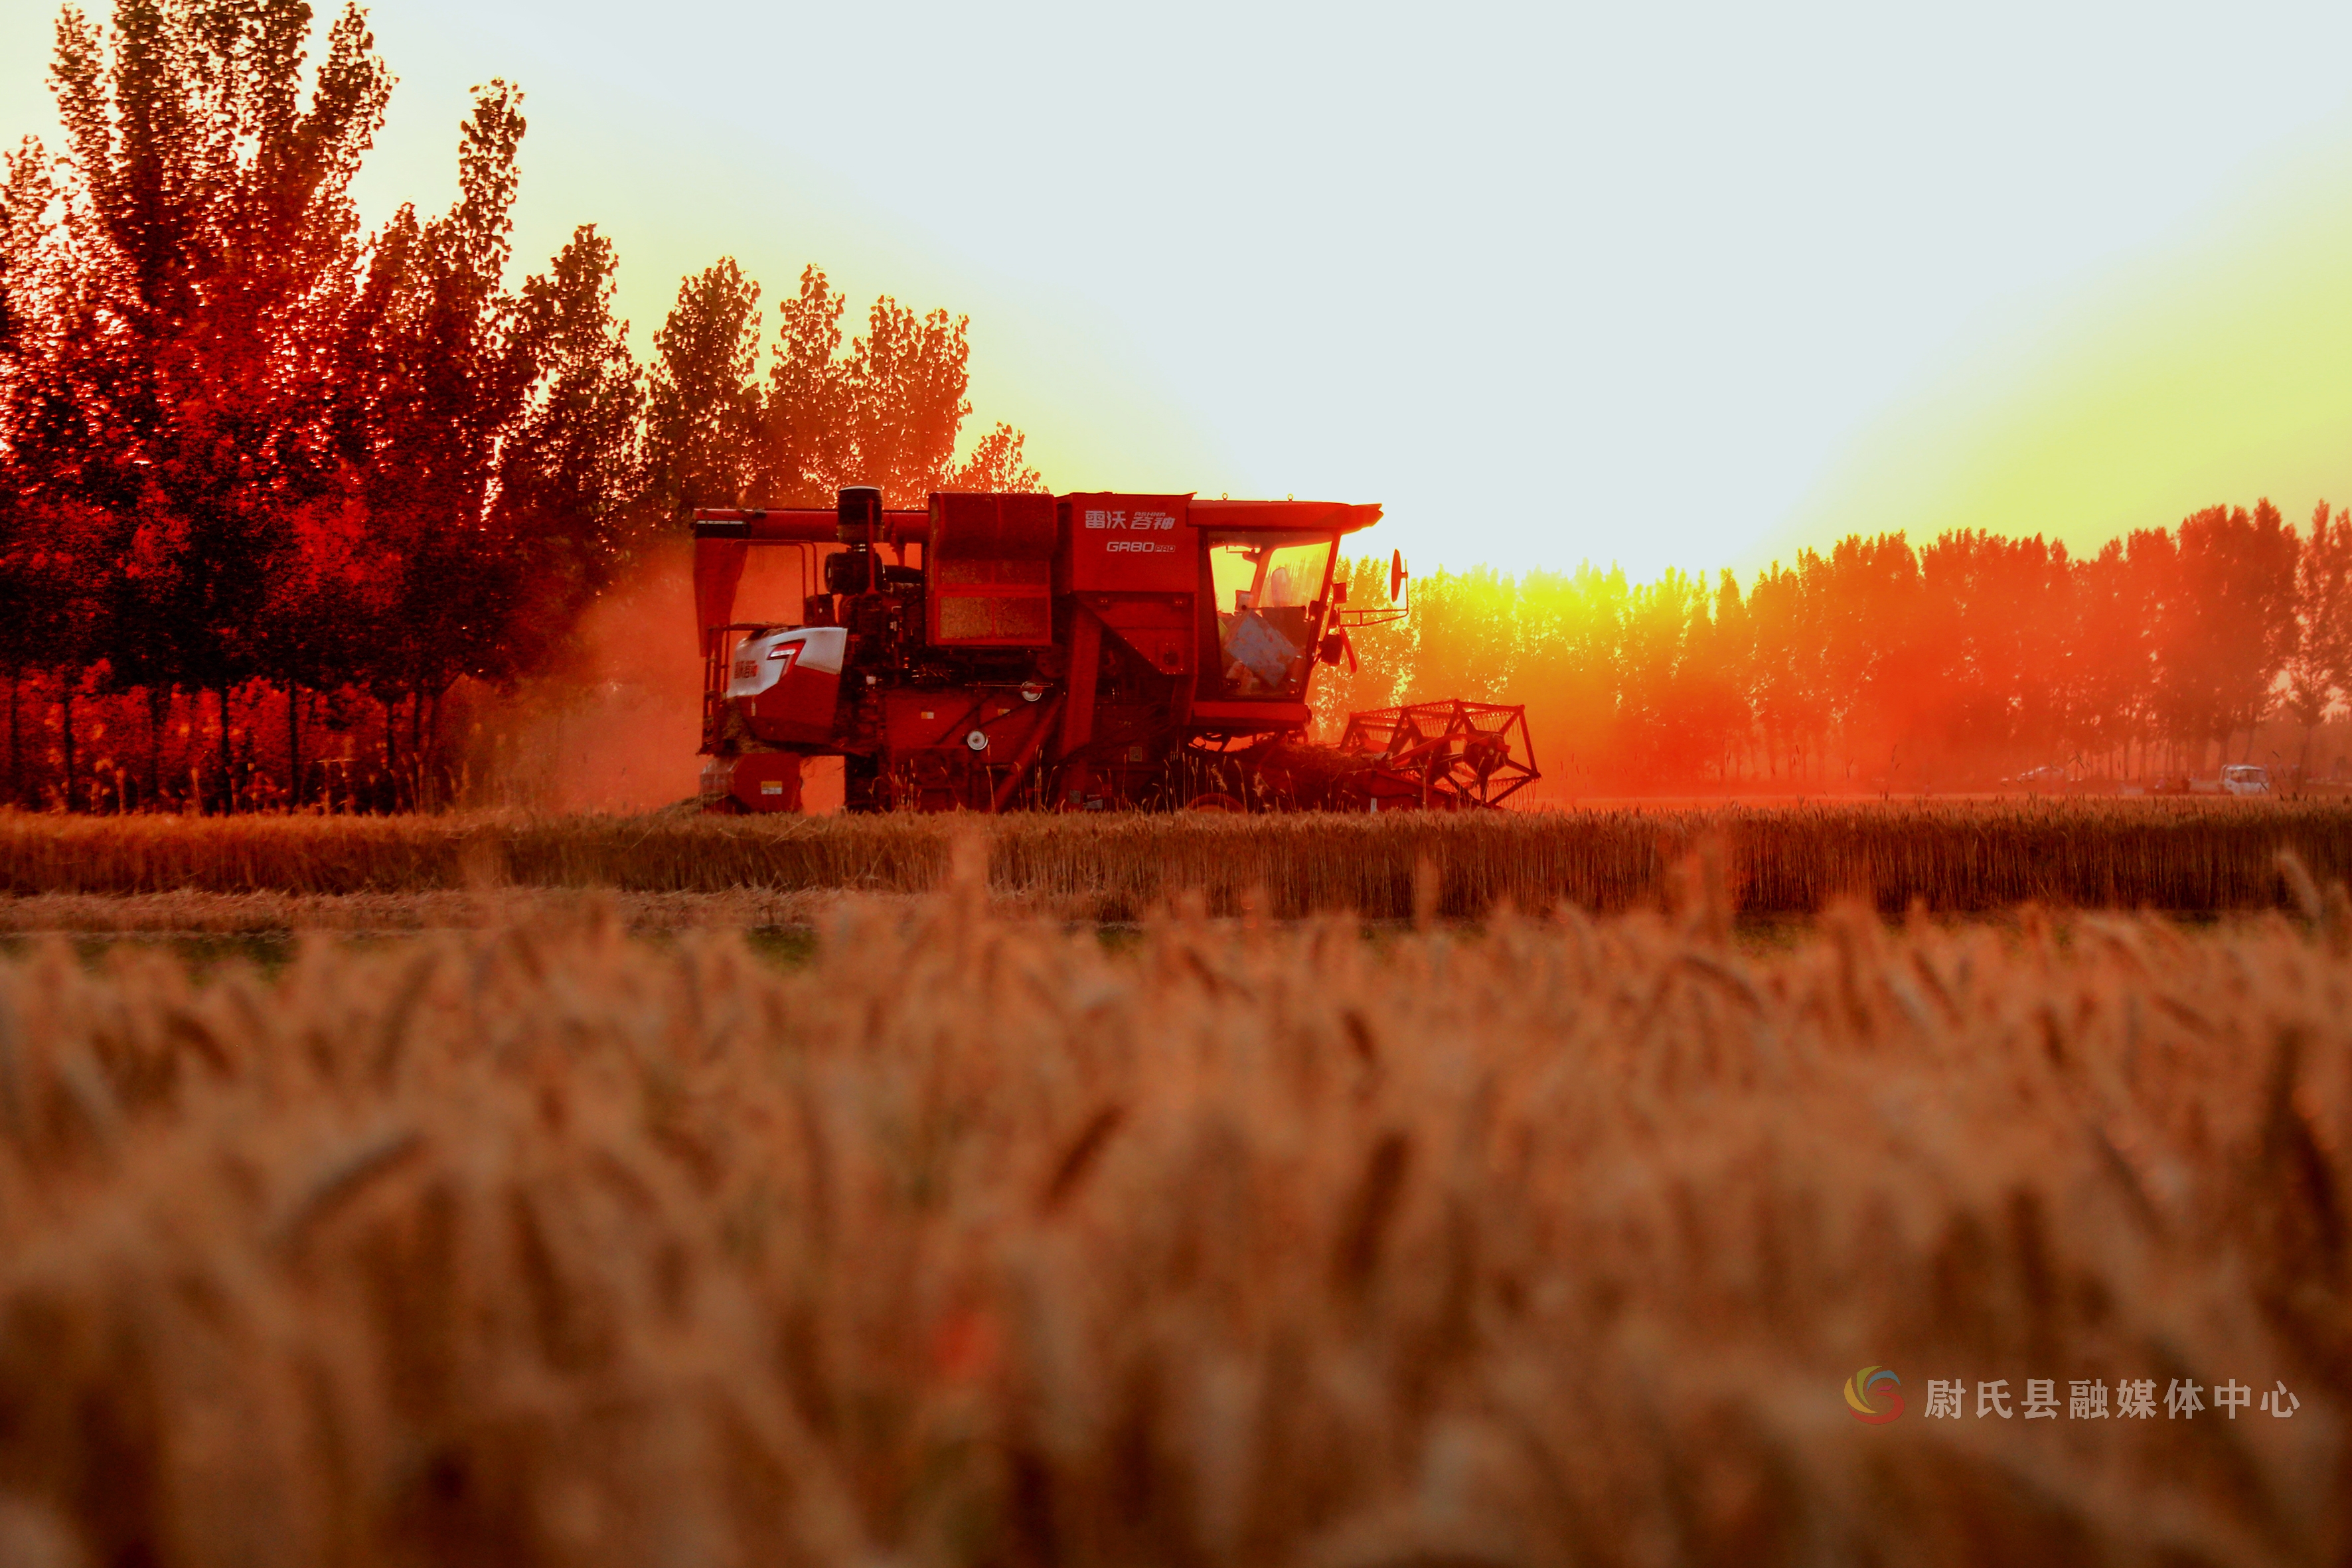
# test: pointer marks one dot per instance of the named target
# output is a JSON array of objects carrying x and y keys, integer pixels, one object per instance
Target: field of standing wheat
[
  {"x": 2193, "y": 857},
  {"x": 972, "y": 1239}
]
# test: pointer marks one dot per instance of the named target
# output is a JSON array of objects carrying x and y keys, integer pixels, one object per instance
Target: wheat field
[
  {"x": 971, "y": 1239},
  {"x": 2196, "y": 856}
]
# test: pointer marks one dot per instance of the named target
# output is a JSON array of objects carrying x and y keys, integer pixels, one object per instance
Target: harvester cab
[{"x": 1079, "y": 652}]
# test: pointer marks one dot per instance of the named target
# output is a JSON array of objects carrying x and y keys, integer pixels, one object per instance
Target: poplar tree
[
  {"x": 209, "y": 214},
  {"x": 567, "y": 522},
  {"x": 440, "y": 373},
  {"x": 809, "y": 440},
  {"x": 999, "y": 462},
  {"x": 906, "y": 379},
  {"x": 2319, "y": 670},
  {"x": 702, "y": 408}
]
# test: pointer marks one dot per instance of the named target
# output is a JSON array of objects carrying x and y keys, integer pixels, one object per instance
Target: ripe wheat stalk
[
  {"x": 973, "y": 1240},
  {"x": 2188, "y": 856}
]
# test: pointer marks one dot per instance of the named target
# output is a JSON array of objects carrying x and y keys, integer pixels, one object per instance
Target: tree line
[
  {"x": 266, "y": 472},
  {"x": 280, "y": 493},
  {"x": 1883, "y": 665}
]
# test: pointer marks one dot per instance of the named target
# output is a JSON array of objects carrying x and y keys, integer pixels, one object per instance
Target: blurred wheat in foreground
[{"x": 974, "y": 1242}]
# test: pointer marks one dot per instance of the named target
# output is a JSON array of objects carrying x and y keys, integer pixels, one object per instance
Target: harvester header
[{"x": 1084, "y": 651}]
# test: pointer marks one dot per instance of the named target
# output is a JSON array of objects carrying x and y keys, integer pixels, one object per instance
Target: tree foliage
[
  {"x": 251, "y": 451},
  {"x": 702, "y": 412},
  {"x": 1882, "y": 664}
]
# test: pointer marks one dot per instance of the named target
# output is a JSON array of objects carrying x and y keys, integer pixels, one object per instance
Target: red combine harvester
[{"x": 1077, "y": 652}]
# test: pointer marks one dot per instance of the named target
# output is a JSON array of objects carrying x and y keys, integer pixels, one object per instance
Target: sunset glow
[
  {"x": 1551, "y": 284},
  {"x": 2209, "y": 370}
]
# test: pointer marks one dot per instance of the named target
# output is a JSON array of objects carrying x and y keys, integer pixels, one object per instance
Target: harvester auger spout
[{"x": 1079, "y": 652}]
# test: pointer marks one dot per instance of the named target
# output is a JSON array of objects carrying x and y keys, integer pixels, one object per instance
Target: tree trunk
[
  {"x": 65, "y": 706},
  {"x": 228, "y": 763},
  {"x": 391, "y": 755},
  {"x": 293, "y": 743},
  {"x": 159, "y": 710},
  {"x": 15, "y": 736}
]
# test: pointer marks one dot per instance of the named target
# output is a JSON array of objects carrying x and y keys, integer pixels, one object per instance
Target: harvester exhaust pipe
[
  {"x": 857, "y": 516},
  {"x": 860, "y": 509}
]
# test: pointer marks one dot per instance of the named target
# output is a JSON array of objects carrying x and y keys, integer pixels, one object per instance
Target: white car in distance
[{"x": 2245, "y": 778}]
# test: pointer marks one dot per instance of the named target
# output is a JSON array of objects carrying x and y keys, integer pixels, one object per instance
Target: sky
[{"x": 1692, "y": 285}]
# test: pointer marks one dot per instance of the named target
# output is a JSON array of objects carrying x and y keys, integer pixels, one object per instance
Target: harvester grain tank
[{"x": 1077, "y": 652}]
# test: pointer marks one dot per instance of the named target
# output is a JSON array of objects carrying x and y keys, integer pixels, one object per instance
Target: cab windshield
[{"x": 1269, "y": 589}]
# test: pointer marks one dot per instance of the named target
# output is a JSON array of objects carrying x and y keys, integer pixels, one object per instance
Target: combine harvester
[{"x": 1079, "y": 652}]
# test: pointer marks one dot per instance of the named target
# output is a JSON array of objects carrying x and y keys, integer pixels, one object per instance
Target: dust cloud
[{"x": 615, "y": 725}]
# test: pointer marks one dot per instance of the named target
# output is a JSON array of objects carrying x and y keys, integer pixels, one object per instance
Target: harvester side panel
[
  {"x": 1126, "y": 545},
  {"x": 989, "y": 571}
]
